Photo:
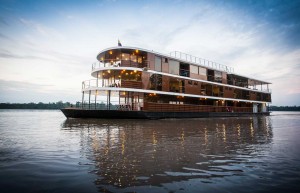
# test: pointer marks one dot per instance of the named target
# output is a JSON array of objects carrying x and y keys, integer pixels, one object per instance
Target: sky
[{"x": 47, "y": 47}]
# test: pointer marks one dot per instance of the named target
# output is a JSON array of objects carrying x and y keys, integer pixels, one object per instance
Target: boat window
[
  {"x": 156, "y": 82},
  {"x": 133, "y": 58},
  {"x": 202, "y": 71},
  {"x": 140, "y": 59},
  {"x": 125, "y": 56},
  {"x": 218, "y": 76},
  {"x": 157, "y": 64},
  {"x": 173, "y": 67},
  {"x": 194, "y": 69}
]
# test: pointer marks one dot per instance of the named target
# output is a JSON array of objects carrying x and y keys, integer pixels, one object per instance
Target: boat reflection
[{"x": 128, "y": 153}]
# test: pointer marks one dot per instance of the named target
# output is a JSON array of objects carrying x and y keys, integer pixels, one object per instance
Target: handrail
[
  {"x": 118, "y": 63},
  {"x": 120, "y": 83},
  {"x": 201, "y": 61}
]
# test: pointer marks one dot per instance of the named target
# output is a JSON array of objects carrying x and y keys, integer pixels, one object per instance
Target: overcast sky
[{"x": 47, "y": 47}]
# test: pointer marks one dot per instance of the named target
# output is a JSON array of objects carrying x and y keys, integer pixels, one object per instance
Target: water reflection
[{"x": 131, "y": 153}]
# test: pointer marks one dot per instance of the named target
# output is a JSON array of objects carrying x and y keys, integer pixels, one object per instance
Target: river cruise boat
[{"x": 132, "y": 82}]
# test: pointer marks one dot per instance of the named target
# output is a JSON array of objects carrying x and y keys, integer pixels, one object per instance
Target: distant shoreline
[{"x": 40, "y": 105}]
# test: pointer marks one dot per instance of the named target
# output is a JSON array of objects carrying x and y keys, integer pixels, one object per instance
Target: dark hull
[{"x": 116, "y": 114}]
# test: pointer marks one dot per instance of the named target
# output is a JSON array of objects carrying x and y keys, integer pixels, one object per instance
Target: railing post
[
  {"x": 82, "y": 99},
  {"x": 97, "y": 78},
  {"x": 90, "y": 99},
  {"x": 95, "y": 99}
]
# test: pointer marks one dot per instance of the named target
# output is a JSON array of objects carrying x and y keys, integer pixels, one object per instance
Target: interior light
[
  {"x": 137, "y": 51},
  {"x": 110, "y": 52}
]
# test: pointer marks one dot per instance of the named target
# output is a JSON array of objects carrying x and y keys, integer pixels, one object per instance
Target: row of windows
[
  {"x": 174, "y": 67},
  {"x": 179, "y": 85}
]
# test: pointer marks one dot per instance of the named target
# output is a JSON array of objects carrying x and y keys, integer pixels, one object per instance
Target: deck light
[
  {"x": 110, "y": 52},
  {"x": 108, "y": 71},
  {"x": 137, "y": 51}
]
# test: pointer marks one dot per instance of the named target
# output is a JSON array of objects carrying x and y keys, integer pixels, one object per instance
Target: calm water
[{"x": 41, "y": 151}]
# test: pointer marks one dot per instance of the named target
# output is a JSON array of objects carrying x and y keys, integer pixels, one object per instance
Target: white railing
[
  {"x": 266, "y": 90},
  {"x": 118, "y": 63},
  {"x": 89, "y": 83},
  {"x": 106, "y": 63},
  {"x": 201, "y": 61},
  {"x": 99, "y": 83}
]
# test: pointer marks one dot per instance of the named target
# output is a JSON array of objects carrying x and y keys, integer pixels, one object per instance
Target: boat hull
[{"x": 116, "y": 114}]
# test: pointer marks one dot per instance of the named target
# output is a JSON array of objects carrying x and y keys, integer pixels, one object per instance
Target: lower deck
[
  {"x": 118, "y": 114},
  {"x": 151, "y": 102}
]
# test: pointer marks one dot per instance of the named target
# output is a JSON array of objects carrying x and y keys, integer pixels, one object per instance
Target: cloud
[
  {"x": 282, "y": 19},
  {"x": 15, "y": 56},
  {"x": 5, "y": 37},
  {"x": 41, "y": 29},
  {"x": 22, "y": 92},
  {"x": 3, "y": 22}
]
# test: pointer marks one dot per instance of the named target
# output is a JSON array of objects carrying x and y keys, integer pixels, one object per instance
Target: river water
[{"x": 42, "y": 151}]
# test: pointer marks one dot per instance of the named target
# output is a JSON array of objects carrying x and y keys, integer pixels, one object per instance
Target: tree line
[
  {"x": 284, "y": 108},
  {"x": 40, "y": 105}
]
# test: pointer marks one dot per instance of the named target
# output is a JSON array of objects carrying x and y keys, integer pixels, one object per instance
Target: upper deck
[{"x": 177, "y": 64}]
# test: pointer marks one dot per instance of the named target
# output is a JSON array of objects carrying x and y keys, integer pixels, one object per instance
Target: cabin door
[
  {"x": 254, "y": 108},
  {"x": 136, "y": 106}
]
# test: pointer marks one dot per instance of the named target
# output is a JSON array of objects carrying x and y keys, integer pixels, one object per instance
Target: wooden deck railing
[
  {"x": 131, "y": 84},
  {"x": 165, "y": 107}
]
